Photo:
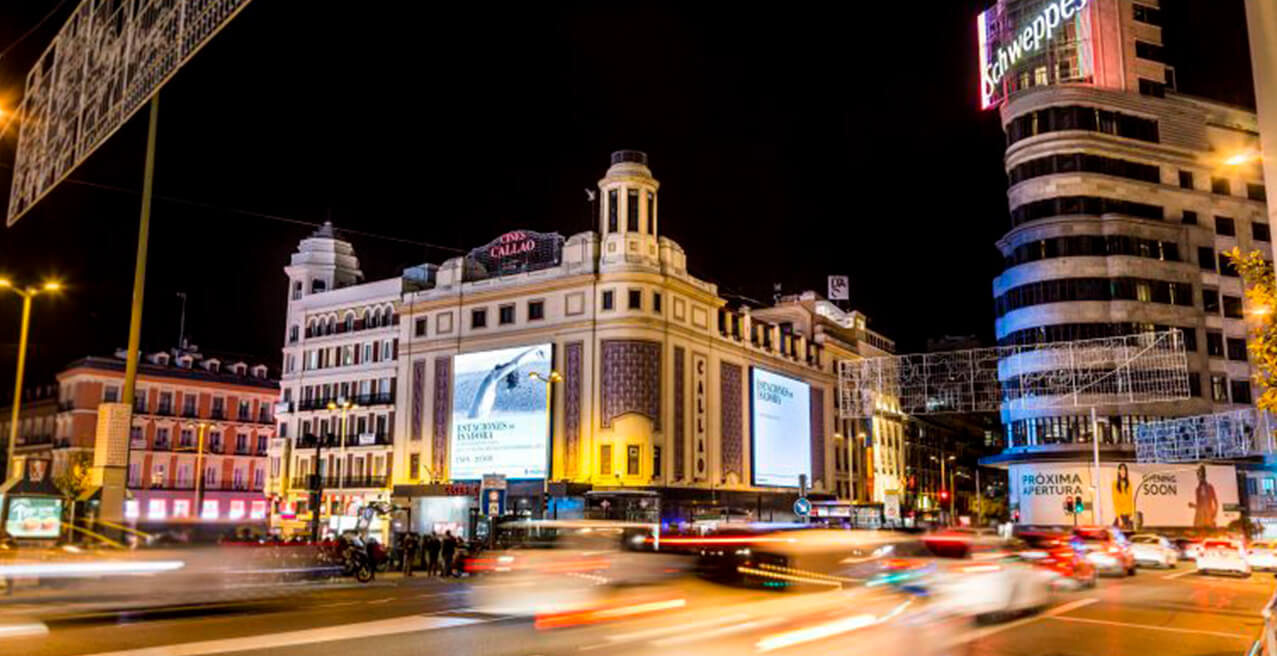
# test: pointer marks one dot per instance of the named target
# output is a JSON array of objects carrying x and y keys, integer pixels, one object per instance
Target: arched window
[
  {"x": 367, "y": 319},
  {"x": 350, "y": 322},
  {"x": 293, "y": 335}
]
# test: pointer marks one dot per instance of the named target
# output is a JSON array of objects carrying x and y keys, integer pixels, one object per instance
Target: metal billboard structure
[
  {"x": 1222, "y": 435},
  {"x": 104, "y": 64},
  {"x": 1141, "y": 368}
]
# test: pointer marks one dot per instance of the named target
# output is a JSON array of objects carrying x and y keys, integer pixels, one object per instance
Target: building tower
[
  {"x": 627, "y": 212},
  {"x": 1123, "y": 194}
]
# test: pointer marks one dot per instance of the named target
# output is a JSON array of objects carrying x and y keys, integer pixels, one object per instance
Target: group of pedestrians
[{"x": 437, "y": 555}]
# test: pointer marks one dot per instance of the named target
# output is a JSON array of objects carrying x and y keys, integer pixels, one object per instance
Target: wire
[{"x": 261, "y": 215}]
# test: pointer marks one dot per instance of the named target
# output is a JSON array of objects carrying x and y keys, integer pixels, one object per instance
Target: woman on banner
[{"x": 1123, "y": 499}]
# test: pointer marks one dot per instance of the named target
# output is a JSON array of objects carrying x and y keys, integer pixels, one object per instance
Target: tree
[
  {"x": 1261, "y": 297},
  {"x": 74, "y": 481}
]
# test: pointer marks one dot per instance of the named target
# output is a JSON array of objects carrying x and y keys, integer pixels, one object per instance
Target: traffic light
[
  {"x": 1068, "y": 505},
  {"x": 944, "y": 495},
  {"x": 1077, "y": 505}
]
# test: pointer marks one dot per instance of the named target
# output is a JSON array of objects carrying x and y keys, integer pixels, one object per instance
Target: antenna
[{"x": 181, "y": 324}]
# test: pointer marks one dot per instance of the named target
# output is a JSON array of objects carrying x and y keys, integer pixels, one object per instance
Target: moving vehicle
[
  {"x": 1107, "y": 548},
  {"x": 1189, "y": 548},
  {"x": 1058, "y": 553},
  {"x": 1222, "y": 556},
  {"x": 1262, "y": 555},
  {"x": 1154, "y": 550}
]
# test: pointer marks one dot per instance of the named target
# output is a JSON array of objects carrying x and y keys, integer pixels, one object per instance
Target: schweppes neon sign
[{"x": 1024, "y": 42}]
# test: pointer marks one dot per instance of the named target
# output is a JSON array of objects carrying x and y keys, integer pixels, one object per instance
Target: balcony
[
  {"x": 190, "y": 414},
  {"x": 33, "y": 440},
  {"x": 328, "y": 441},
  {"x": 68, "y": 404},
  {"x": 62, "y": 443},
  {"x": 162, "y": 445},
  {"x": 283, "y": 407},
  {"x": 217, "y": 413},
  {"x": 265, "y": 418},
  {"x": 163, "y": 411},
  {"x": 304, "y": 482},
  {"x": 364, "y": 481},
  {"x": 370, "y": 439},
  {"x": 374, "y": 399}
]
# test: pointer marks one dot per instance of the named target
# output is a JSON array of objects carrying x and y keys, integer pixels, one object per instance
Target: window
[
  {"x": 1094, "y": 289},
  {"x": 605, "y": 459},
  {"x": 1214, "y": 344},
  {"x": 1149, "y": 51},
  {"x": 1256, "y": 192},
  {"x": 609, "y": 300},
  {"x": 1088, "y": 205},
  {"x": 111, "y": 394},
  {"x": 1241, "y": 391},
  {"x": 1237, "y": 349},
  {"x": 1151, "y": 88},
  {"x": 632, "y": 460},
  {"x": 1190, "y": 338},
  {"x": 1086, "y": 163},
  {"x": 611, "y": 210},
  {"x": 317, "y": 286},
  {"x": 1220, "y": 186},
  {"x": 656, "y": 302},
  {"x": 656, "y": 461},
  {"x": 505, "y": 315},
  {"x": 1186, "y": 179},
  {"x": 1225, "y": 226},
  {"x": 1233, "y": 307},
  {"x": 244, "y": 411},
  {"x": 1219, "y": 389},
  {"x": 1259, "y": 232},
  {"x": 479, "y": 318},
  {"x": 414, "y": 466},
  {"x": 651, "y": 213},
  {"x": 536, "y": 310},
  {"x": 1189, "y": 217},
  {"x": 1145, "y": 14},
  {"x": 1226, "y": 267},
  {"x": 1210, "y": 301},
  {"x": 1206, "y": 258},
  {"x": 632, "y": 210},
  {"x": 1040, "y": 77},
  {"x": 1194, "y": 384},
  {"x": 297, "y": 290},
  {"x": 419, "y": 327},
  {"x": 635, "y": 300}
]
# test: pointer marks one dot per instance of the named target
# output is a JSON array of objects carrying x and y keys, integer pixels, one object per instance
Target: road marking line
[
  {"x": 980, "y": 634},
  {"x": 380, "y": 601},
  {"x": 408, "y": 624},
  {"x": 1179, "y": 574},
  {"x": 336, "y": 603},
  {"x": 1154, "y": 627},
  {"x": 717, "y": 633},
  {"x": 662, "y": 630}
]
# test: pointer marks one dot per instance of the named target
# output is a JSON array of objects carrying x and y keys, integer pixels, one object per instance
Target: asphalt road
[{"x": 1166, "y": 613}]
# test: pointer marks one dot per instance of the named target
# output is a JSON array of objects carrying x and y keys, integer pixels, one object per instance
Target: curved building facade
[{"x": 1122, "y": 195}]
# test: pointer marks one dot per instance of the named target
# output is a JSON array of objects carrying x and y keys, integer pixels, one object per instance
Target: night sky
[{"x": 792, "y": 141}]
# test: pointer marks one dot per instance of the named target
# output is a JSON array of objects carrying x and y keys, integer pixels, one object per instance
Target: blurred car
[
  {"x": 1262, "y": 555},
  {"x": 1154, "y": 550},
  {"x": 1222, "y": 556},
  {"x": 1107, "y": 548},
  {"x": 1057, "y": 552},
  {"x": 1189, "y": 548}
]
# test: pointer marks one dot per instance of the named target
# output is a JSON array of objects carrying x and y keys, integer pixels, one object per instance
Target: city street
[{"x": 1167, "y": 612}]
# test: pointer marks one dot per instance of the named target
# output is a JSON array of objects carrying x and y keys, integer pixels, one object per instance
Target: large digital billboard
[
  {"x": 1028, "y": 43},
  {"x": 780, "y": 421},
  {"x": 1132, "y": 495},
  {"x": 500, "y": 422}
]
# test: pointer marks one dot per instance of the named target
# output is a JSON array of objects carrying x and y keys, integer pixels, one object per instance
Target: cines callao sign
[{"x": 1018, "y": 42}]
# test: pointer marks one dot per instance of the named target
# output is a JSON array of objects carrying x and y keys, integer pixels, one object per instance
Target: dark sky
[{"x": 792, "y": 141}]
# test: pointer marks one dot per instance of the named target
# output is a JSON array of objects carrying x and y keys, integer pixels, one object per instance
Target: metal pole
[
  {"x": 17, "y": 386},
  {"x": 139, "y": 270},
  {"x": 549, "y": 453},
  {"x": 979, "y": 498},
  {"x": 1096, "y": 515},
  {"x": 199, "y": 472}
]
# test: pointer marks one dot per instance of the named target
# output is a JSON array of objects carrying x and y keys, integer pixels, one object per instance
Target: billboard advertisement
[
  {"x": 1028, "y": 43},
  {"x": 34, "y": 517},
  {"x": 1132, "y": 496},
  {"x": 500, "y": 421},
  {"x": 780, "y": 409}
]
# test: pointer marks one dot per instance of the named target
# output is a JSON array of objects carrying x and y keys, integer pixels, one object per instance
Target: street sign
[
  {"x": 891, "y": 507},
  {"x": 802, "y": 507},
  {"x": 105, "y": 63},
  {"x": 492, "y": 496}
]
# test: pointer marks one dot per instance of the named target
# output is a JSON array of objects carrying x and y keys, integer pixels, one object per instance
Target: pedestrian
[
  {"x": 409, "y": 552},
  {"x": 432, "y": 554},
  {"x": 448, "y": 550}
]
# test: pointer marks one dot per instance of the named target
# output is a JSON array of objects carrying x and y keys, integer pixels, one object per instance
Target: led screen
[
  {"x": 781, "y": 421},
  {"x": 499, "y": 418}
]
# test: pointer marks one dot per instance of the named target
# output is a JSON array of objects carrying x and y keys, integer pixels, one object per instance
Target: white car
[
  {"x": 1153, "y": 550},
  {"x": 1262, "y": 555},
  {"x": 984, "y": 578},
  {"x": 1222, "y": 556}
]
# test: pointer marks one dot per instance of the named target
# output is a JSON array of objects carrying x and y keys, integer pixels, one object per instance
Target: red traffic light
[{"x": 944, "y": 495}]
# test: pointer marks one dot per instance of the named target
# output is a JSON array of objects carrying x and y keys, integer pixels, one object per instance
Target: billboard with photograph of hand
[{"x": 500, "y": 420}]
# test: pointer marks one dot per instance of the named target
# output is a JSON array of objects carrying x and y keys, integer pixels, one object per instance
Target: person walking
[
  {"x": 409, "y": 552},
  {"x": 448, "y": 550},
  {"x": 432, "y": 554}
]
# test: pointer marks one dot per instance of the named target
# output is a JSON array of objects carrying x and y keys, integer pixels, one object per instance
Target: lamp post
[
  {"x": 549, "y": 380},
  {"x": 26, "y": 294},
  {"x": 945, "y": 481},
  {"x": 199, "y": 466},
  {"x": 317, "y": 481}
]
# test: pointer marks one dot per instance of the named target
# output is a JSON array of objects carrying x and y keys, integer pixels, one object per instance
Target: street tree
[{"x": 1261, "y": 301}]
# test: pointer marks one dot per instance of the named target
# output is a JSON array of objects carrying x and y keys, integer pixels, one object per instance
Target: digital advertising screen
[
  {"x": 780, "y": 409},
  {"x": 34, "y": 517},
  {"x": 500, "y": 422}
]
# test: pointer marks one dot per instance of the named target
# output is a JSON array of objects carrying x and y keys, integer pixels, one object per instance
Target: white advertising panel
[
  {"x": 500, "y": 422},
  {"x": 1132, "y": 496},
  {"x": 781, "y": 428}
]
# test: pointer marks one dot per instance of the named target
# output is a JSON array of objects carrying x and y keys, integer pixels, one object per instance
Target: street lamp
[
  {"x": 26, "y": 294},
  {"x": 549, "y": 380},
  {"x": 199, "y": 465},
  {"x": 948, "y": 481},
  {"x": 317, "y": 482}
]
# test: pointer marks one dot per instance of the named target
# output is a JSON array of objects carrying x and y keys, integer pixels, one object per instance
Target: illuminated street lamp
[
  {"x": 26, "y": 294},
  {"x": 199, "y": 465},
  {"x": 549, "y": 380}
]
